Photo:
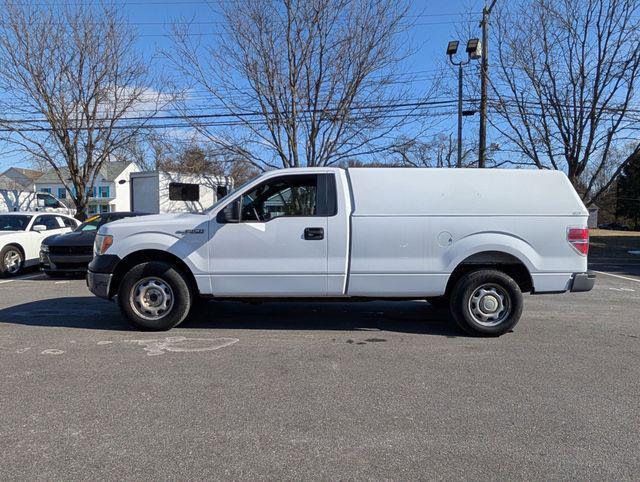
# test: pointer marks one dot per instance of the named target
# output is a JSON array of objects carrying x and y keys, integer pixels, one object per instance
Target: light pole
[{"x": 473, "y": 53}]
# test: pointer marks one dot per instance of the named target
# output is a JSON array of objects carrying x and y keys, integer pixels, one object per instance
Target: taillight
[{"x": 579, "y": 239}]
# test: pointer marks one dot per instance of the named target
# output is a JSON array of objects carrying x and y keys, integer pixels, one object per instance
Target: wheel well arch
[
  {"x": 146, "y": 255},
  {"x": 16, "y": 245},
  {"x": 498, "y": 260}
]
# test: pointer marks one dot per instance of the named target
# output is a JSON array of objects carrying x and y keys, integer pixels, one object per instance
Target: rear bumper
[{"x": 582, "y": 282}]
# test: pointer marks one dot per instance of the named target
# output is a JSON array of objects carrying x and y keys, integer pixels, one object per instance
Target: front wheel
[
  {"x": 486, "y": 303},
  {"x": 154, "y": 296},
  {"x": 11, "y": 261}
]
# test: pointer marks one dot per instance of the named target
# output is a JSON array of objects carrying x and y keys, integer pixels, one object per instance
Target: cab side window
[
  {"x": 280, "y": 197},
  {"x": 49, "y": 221},
  {"x": 67, "y": 222}
]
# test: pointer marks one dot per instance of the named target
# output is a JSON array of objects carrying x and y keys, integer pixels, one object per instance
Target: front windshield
[
  {"x": 14, "y": 223},
  {"x": 230, "y": 194},
  {"x": 93, "y": 223}
]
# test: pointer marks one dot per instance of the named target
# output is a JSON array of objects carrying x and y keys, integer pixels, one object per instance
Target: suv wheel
[
  {"x": 486, "y": 303},
  {"x": 154, "y": 296},
  {"x": 11, "y": 261}
]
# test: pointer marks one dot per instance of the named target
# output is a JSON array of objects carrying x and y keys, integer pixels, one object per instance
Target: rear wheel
[
  {"x": 11, "y": 261},
  {"x": 155, "y": 296},
  {"x": 486, "y": 303}
]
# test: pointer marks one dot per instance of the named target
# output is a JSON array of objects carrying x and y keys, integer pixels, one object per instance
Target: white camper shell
[{"x": 472, "y": 239}]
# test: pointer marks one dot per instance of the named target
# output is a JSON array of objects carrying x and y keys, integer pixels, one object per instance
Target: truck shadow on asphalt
[{"x": 416, "y": 317}]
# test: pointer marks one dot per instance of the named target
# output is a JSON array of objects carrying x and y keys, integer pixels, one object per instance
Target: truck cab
[{"x": 329, "y": 233}]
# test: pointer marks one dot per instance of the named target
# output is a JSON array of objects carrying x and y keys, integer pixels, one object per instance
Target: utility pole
[
  {"x": 459, "y": 163},
  {"x": 484, "y": 78}
]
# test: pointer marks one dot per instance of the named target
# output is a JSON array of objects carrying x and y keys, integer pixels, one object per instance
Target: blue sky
[{"x": 436, "y": 22}]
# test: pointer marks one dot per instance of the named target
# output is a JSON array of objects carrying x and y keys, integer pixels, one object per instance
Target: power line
[
  {"x": 216, "y": 123},
  {"x": 380, "y": 107}
]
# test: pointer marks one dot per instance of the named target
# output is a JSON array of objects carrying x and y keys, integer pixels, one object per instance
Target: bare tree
[
  {"x": 70, "y": 80},
  {"x": 199, "y": 159},
  {"x": 565, "y": 85},
  {"x": 149, "y": 149},
  {"x": 304, "y": 82},
  {"x": 440, "y": 151}
]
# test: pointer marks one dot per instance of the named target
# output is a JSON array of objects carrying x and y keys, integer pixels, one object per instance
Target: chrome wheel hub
[
  {"x": 490, "y": 305},
  {"x": 151, "y": 298},
  {"x": 12, "y": 261}
]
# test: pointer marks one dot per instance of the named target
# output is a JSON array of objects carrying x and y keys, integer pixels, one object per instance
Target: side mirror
[
  {"x": 39, "y": 228},
  {"x": 230, "y": 213}
]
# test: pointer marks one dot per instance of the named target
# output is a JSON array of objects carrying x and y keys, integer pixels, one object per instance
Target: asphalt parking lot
[{"x": 323, "y": 391}]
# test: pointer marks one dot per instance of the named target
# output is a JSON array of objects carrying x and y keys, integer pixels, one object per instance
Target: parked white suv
[
  {"x": 21, "y": 235},
  {"x": 474, "y": 238}
]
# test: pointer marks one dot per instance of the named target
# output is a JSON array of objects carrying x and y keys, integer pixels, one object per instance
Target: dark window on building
[
  {"x": 184, "y": 192},
  {"x": 221, "y": 191}
]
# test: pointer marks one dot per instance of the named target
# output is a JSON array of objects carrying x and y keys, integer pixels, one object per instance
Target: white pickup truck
[{"x": 473, "y": 238}]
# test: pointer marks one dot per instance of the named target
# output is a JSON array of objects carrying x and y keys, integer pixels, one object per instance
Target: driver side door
[
  {"x": 52, "y": 226},
  {"x": 276, "y": 243}
]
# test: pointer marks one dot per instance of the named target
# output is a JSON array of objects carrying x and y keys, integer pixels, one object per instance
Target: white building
[
  {"x": 170, "y": 192},
  {"x": 111, "y": 191},
  {"x": 120, "y": 186},
  {"x": 17, "y": 192}
]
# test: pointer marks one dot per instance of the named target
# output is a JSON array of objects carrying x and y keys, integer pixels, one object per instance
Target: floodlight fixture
[
  {"x": 452, "y": 47},
  {"x": 474, "y": 48}
]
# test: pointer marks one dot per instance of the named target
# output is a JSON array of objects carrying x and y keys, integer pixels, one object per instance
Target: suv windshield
[{"x": 14, "y": 223}]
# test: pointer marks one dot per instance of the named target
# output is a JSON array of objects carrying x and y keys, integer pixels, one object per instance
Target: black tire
[
  {"x": 10, "y": 270},
  {"x": 170, "y": 289},
  {"x": 438, "y": 301},
  {"x": 477, "y": 293}
]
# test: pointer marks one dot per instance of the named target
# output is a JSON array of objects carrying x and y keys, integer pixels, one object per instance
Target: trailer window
[{"x": 179, "y": 191}]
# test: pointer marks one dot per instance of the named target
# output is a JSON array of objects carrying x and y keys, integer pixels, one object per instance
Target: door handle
[{"x": 313, "y": 233}]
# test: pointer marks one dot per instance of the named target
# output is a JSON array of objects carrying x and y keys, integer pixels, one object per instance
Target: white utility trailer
[{"x": 158, "y": 192}]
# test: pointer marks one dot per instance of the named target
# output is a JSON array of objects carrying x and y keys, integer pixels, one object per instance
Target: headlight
[
  {"x": 44, "y": 248},
  {"x": 102, "y": 243}
]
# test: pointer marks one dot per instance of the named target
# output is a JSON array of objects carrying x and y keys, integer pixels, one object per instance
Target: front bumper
[
  {"x": 99, "y": 283},
  {"x": 100, "y": 274},
  {"x": 582, "y": 282},
  {"x": 64, "y": 263}
]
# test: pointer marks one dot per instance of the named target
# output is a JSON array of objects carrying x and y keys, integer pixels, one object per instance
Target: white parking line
[
  {"x": 31, "y": 276},
  {"x": 618, "y": 276}
]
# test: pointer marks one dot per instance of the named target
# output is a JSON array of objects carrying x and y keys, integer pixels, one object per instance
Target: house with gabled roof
[{"x": 111, "y": 191}]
